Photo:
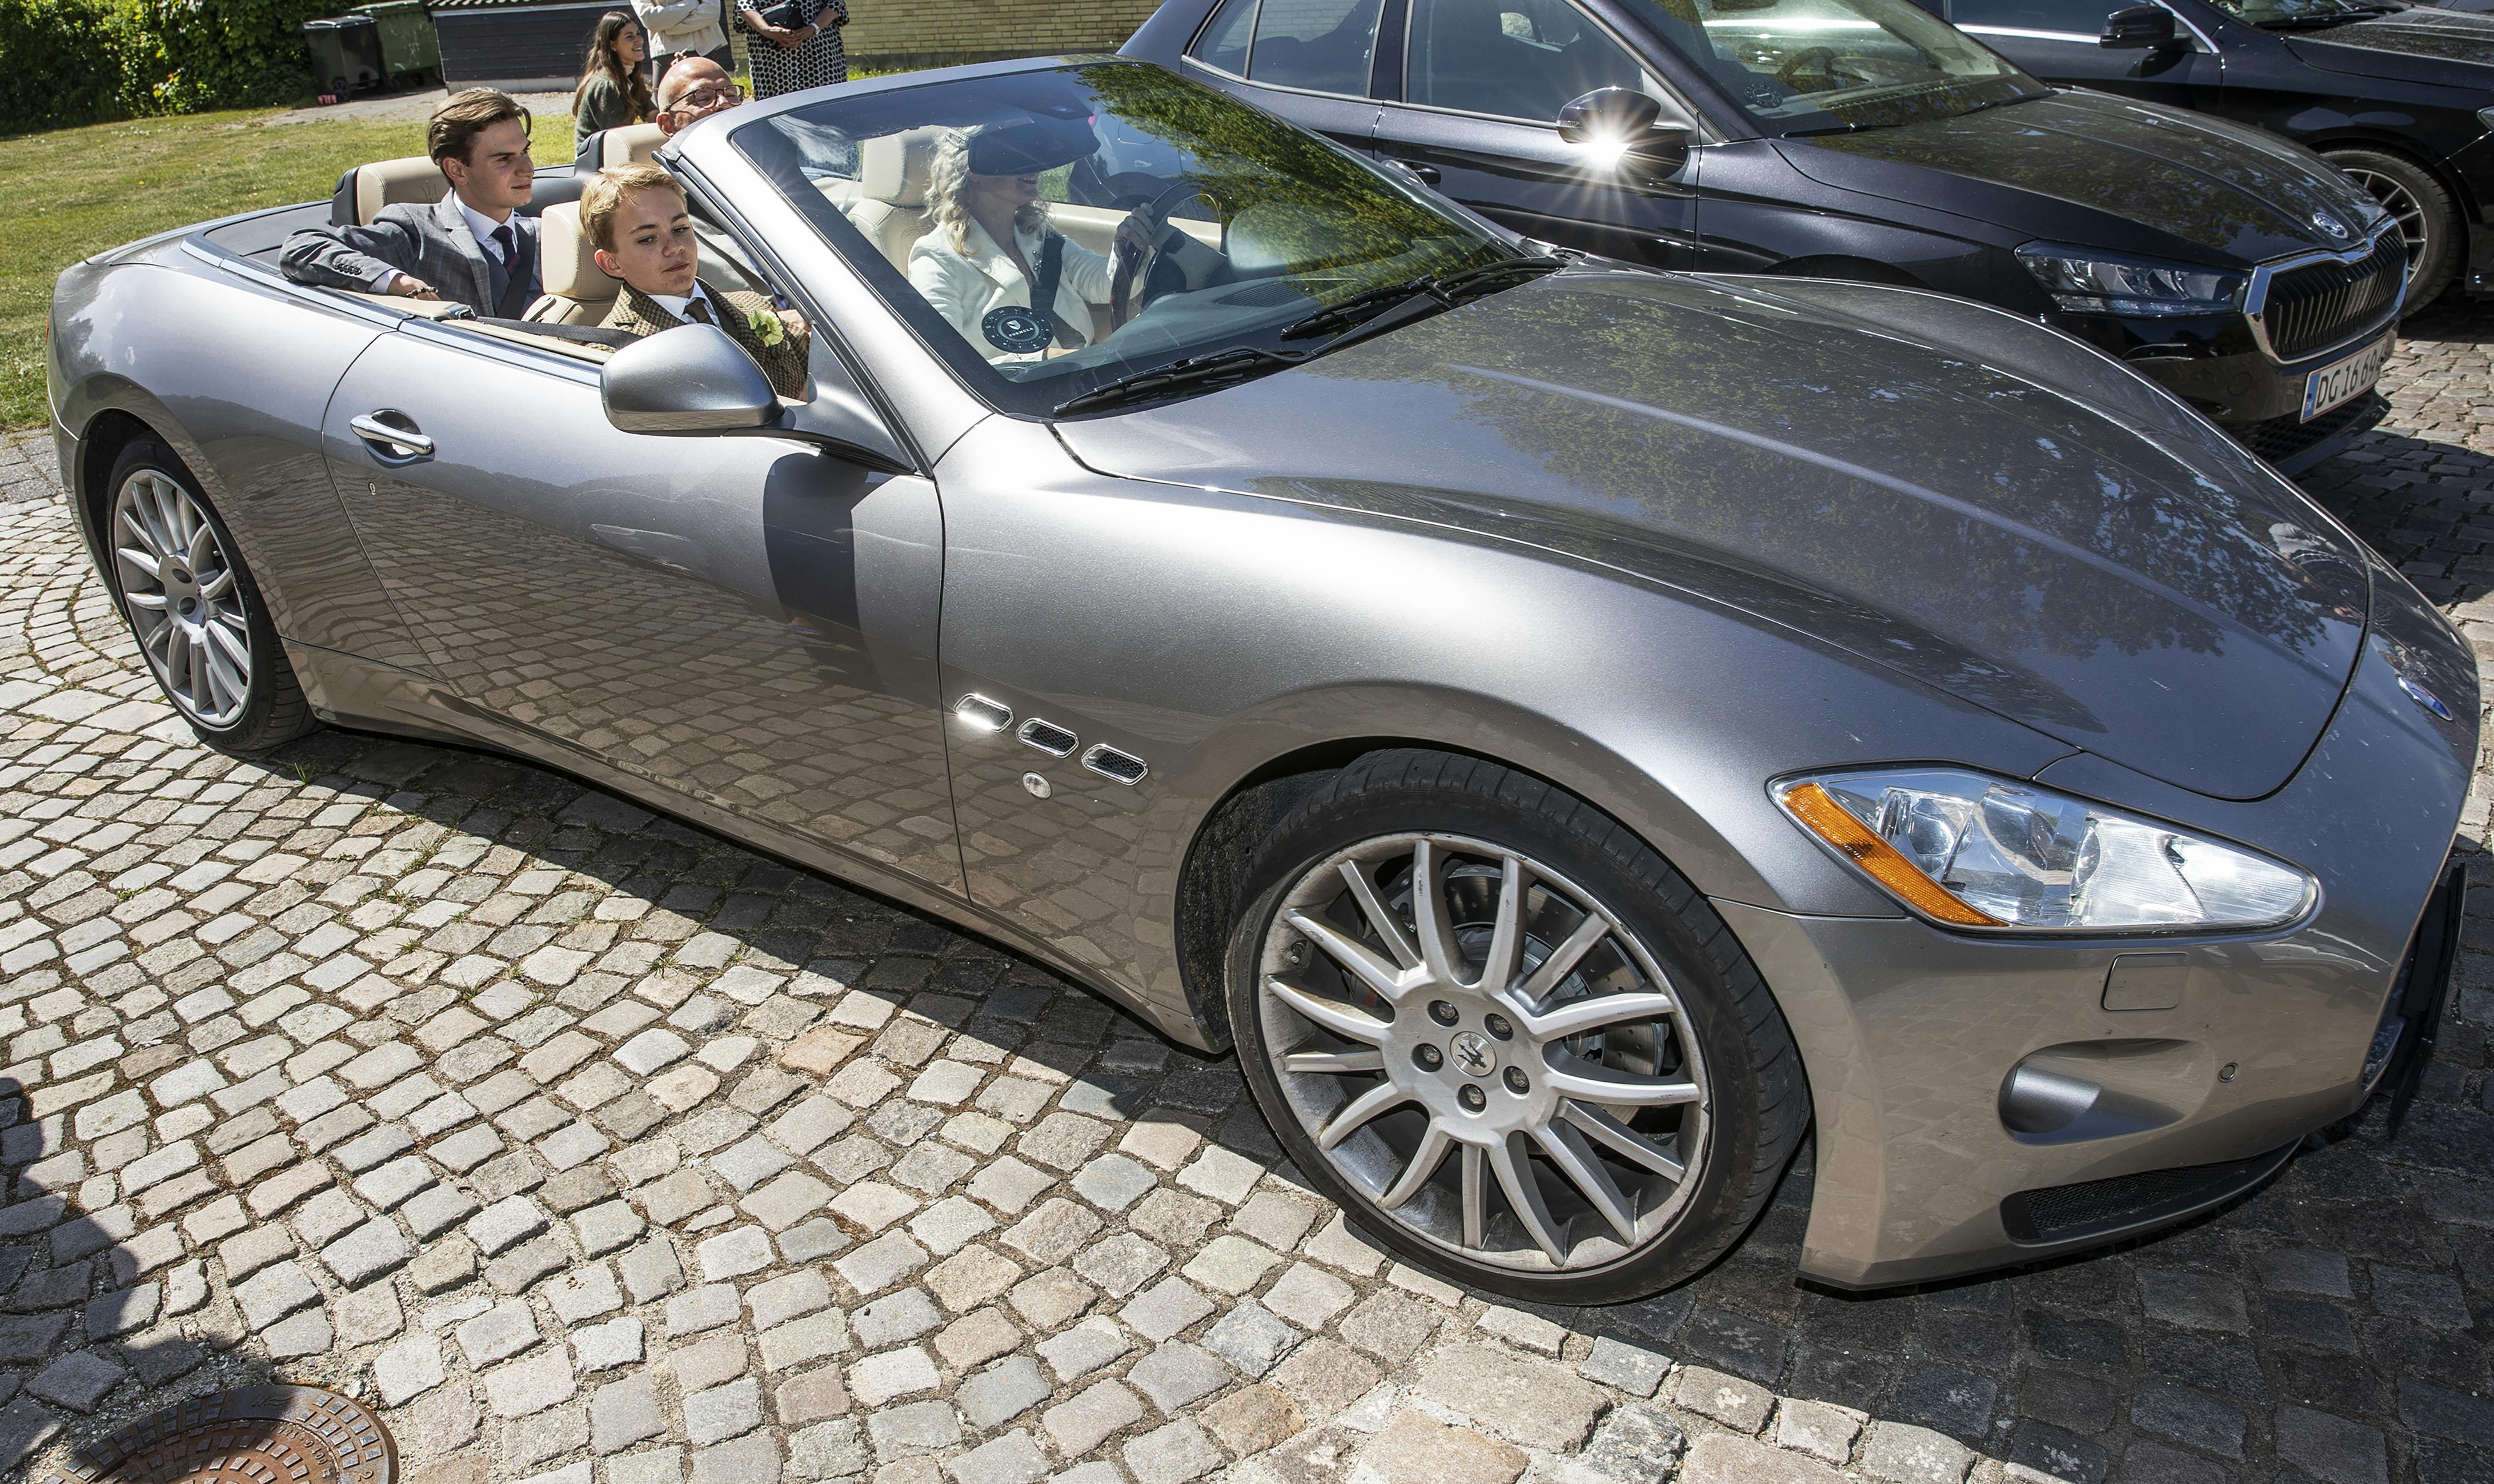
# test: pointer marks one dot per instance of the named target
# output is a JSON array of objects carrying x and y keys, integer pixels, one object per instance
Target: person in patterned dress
[{"x": 806, "y": 54}]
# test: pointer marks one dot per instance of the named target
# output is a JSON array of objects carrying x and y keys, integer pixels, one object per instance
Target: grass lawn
[{"x": 76, "y": 192}]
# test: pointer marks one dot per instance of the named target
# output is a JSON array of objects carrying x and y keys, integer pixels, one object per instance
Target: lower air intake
[{"x": 2095, "y": 1208}]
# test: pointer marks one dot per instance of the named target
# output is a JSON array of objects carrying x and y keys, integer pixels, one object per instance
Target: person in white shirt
[
  {"x": 683, "y": 28},
  {"x": 471, "y": 245},
  {"x": 990, "y": 243},
  {"x": 636, "y": 217}
]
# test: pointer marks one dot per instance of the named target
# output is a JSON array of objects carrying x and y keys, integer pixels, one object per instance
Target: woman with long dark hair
[
  {"x": 796, "y": 44},
  {"x": 612, "y": 91}
]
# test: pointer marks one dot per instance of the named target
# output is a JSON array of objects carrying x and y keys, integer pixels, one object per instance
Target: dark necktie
[
  {"x": 698, "y": 311},
  {"x": 510, "y": 249}
]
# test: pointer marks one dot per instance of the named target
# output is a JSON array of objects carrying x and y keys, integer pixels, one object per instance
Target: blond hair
[
  {"x": 948, "y": 188},
  {"x": 451, "y": 133},
  {"x": 606, "y": 189}
]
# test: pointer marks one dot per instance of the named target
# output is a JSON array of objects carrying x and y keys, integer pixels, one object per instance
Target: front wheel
[
  {"x": 1507, "y": 1037},
  {"x": 192, "y": 605},
  {"x": 2428, "y": 220}
]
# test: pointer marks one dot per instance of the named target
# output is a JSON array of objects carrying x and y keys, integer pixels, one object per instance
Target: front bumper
[{"x": 1912, "y": 1034}]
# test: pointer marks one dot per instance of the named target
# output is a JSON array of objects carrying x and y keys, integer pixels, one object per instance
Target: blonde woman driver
[{"x": 991, "y": 241}]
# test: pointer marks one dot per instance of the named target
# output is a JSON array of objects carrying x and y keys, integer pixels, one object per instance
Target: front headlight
[
  {"x": 2089, "y": 283},
  {"x": 1974, "y": 851}
]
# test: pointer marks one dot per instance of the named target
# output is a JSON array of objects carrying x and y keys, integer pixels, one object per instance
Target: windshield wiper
[
  {"x": 1448, "y": 289},
  {"x": 1357, "y": 307},
  {"x": 1224, "y": 368},
  {"x": 2324, "y": 22}
]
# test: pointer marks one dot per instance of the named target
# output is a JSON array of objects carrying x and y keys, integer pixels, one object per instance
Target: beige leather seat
[
  {"x": 576, "y": 291},
  {"x": 630, "y": 145},
  {"x": 368, "y": 188},
  {"x": 891, "y": 207}
]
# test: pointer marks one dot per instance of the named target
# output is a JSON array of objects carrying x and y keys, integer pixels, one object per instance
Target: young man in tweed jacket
[{"x": 636, "y": 217}]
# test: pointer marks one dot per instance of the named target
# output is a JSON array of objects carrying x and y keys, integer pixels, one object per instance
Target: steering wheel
[
  {"x": 1134, "y": 264},
  {"x": 1823, "y": 59}
]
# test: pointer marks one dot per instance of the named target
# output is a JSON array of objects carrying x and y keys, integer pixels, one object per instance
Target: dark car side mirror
[
  {"x": 695, "y": 380},
  {"x": 1630, "y": 121},
  {"x": 2148, "y": 27}
]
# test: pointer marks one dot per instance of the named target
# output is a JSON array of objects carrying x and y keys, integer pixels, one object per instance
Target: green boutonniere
[{"x": 765, "y": 327}]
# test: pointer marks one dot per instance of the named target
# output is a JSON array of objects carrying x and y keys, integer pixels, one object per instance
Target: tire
[
  {"x": 1362, "y": 1083},
  {"x": 198, "y": 617},
  {"x": 2427, "y": 217}
]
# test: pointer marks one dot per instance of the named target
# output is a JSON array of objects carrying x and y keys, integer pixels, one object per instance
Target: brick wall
[{"x": 930, "y": 33}]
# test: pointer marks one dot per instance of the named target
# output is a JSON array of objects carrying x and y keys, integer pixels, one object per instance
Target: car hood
[
  {"x": 2450, "y": 47},
  {"x": 2123, "y": 580},
  {"x": 2056, "y": 168}
]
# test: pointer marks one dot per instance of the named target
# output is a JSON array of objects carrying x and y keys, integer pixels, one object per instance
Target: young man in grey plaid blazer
[{"x": 472, "y": 245}]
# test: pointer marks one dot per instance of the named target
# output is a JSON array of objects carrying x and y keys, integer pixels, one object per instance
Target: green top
[{"x": 602, "y": 105}]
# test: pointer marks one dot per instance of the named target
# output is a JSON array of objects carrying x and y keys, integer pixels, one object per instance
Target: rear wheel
[
  {"x": 2428, "y": 220},
  {"x": 192, "y": 605},
  {"x": 1507, "y": 1037}
]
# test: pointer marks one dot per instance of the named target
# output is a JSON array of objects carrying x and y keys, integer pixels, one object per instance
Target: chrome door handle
[
  {"x": 1426, "y": 173},
  {"x": 405, "y": 442}
]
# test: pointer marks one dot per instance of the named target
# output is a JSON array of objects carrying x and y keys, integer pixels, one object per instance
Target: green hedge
[
  {"x": 64, "y": 57},
  {"x": 89, "y": 60},
  {"x": 186, "y": 56}
]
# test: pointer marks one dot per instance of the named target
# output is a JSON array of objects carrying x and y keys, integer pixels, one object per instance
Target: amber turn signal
[{"x": 1830, "y": 821}]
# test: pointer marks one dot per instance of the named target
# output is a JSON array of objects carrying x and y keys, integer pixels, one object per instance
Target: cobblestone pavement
[{"x": 593, "y": 1149}]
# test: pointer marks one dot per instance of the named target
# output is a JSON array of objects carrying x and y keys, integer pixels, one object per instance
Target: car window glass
[
  {"x": 1223, "y": 43},
  {"x": 2076, "y": 17},
  {"x": 1261, "y": 222},
  {"x": 1521, "y": 59},
  {"x": 1323, "y": 46},
  {"x": 1836, "y": 65}
]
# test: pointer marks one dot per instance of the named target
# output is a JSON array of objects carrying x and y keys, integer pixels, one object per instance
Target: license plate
[{"x": 2342, "y": 381}]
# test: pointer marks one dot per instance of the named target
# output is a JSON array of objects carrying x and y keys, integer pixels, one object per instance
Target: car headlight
[
  {"x": 2090, "y": 283},
  {"x": 1974, "y": 851}
]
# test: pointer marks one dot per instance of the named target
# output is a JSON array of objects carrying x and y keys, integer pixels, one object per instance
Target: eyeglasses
[{"x": 712, "y": 97}]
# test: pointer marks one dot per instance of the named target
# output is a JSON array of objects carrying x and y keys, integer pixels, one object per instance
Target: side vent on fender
[
  {"x": 1111, "y": 764},
  {"x": 1049, "y": 738}
]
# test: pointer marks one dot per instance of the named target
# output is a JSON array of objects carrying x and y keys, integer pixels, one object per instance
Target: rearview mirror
[
  {"x": 690, "y": 379},
  {"x": 2148, "y": 27},
  {"x": 1617, "y": 123}
]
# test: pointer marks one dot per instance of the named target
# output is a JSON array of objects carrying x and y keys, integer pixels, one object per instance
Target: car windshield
[
  {"x": 1816, "y": 66},
  {"x": 1176, "y": 223},
  {"x": 2303, "y": 15}
]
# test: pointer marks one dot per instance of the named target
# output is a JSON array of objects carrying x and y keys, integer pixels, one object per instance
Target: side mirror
[
  {"x": 1623, "y": 123},
  {"x": 695, "y": 380},
  {"x": 2145, "y": 28},
  {"x": 690, "y": 379}
]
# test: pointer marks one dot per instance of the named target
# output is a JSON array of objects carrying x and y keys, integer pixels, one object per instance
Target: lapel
[
  {"x": 993, "y": 262},
  {"x": 649, "y": 312},
  {"x": 454, "y": 225}
]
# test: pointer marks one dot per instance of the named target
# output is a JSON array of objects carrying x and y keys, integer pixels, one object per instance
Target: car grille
[
  {"x": 2315, "y": 307},
  {"x": 2281, "y": 439},
  {"x": 2063, "y": 1213}
]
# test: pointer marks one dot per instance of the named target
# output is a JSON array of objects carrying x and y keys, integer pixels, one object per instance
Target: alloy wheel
[
  {"x": 2402, "y": 205},
  {"x": 185, "y": 602},
  {"x": 1484, "y": 1051}
]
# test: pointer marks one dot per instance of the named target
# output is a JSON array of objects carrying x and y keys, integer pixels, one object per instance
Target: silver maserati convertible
[{"x": 1578, "y": 732}]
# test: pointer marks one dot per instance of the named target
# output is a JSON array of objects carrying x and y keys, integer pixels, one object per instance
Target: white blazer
[{"x": 964, "y": 287}]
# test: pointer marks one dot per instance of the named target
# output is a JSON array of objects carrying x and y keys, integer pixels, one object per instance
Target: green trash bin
[{"x": 409, "y": 45}]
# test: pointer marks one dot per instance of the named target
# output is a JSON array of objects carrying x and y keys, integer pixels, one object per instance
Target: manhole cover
[{"x": 258, "y": 1434}]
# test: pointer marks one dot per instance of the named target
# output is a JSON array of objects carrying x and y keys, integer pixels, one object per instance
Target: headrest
[
  {"x": 894, "y": 167},
  {"x": 389, "y": 182},
  {"x": 630, "y": 145},
  {"x": 1028, "y": 148},
  {"x": 565, "y": 258}
]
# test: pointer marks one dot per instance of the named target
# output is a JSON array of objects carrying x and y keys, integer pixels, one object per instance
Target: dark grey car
[{"x": 1575, "y": 729}]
